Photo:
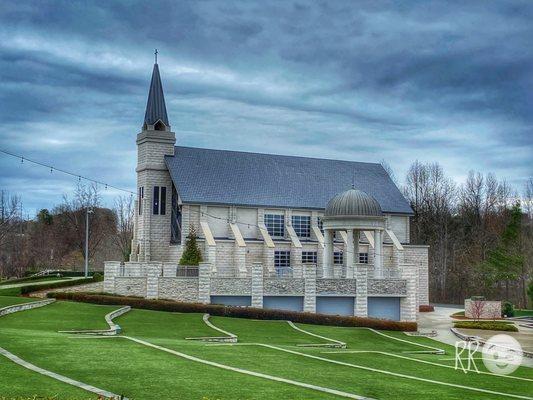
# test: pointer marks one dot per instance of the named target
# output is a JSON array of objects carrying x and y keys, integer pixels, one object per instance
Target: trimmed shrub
[
  {"x": 425, "y": 308},
  {"x": 507, "y": 309},
  {"x": 236, "y": 312},
  {"x": 487, "y": 325}
]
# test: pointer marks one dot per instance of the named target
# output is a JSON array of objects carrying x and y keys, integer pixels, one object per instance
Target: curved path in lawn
[{"x": 36, "y": 304}]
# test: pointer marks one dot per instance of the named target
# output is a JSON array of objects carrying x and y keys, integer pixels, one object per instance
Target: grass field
[{"x": 152, "y": 360}]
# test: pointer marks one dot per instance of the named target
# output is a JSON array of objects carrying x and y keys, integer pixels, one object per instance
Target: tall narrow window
[
  {"x": 156, "y": 200},
  {"x": 282, "y": 263},
  {"x": 140, "y": 200},
  {"x": 163, "y": 202},
  {"x": 175, "y": 219},
  {"x": 338, "y": 257}
]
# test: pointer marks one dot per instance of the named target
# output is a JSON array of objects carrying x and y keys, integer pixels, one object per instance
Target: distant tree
[
  {"x": 44, "y": 217},
  {"x": 191, "y": 255},
  {"x": 530, "y": 292},
  {"x": 71, "y": 217},
  {"x": 9, "y": 214},
  {"x": 505, "y": 261},
  {"x": 123, "y": 211}
]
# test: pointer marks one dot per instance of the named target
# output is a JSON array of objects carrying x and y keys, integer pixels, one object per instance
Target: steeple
[{"x": 155, "y": 107}]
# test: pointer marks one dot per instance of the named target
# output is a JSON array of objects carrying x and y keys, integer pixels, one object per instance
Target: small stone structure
[{"x": 483, "y": 309}]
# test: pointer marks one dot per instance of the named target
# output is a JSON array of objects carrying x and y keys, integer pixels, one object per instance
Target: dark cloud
[{"x": 438, "y": 81}]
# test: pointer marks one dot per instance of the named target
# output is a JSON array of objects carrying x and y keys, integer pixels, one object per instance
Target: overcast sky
[{"x": 450, "y": 82}]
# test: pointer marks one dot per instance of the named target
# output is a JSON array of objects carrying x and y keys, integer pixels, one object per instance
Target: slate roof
[
  {"x": 205, "y": 176},
  {"x": 155, "y": 107}
]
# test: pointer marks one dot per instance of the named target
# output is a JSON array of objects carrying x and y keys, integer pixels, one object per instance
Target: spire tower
[{"x": 156, "y": 111}]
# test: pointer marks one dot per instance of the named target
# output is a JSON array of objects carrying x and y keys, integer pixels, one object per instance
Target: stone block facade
[{"x": 161, "y": 281}]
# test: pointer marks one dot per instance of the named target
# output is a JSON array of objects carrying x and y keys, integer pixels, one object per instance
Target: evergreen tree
[
  {"x": 505, "y": 261},
  {"x": 191, "y": 255}
]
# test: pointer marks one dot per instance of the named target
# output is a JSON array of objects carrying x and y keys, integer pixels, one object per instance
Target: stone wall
[
  {"x": 483, "y": 309},
  {"x": 387, "y": 287},
  {"x": 180, "y": 289},
  {"x": 283, "y": 286},
  {"x": 160, "y": 282},
  {"x": 336, "y": 286},
  {"x": 231, "y": 286},
  {"x": 126, "y": 286}
]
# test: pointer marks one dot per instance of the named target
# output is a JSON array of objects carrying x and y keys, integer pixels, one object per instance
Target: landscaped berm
[{"x": 75, "y": 350}]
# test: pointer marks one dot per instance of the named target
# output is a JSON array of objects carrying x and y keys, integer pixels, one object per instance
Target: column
[
  {"x": 378, "y": 254},
  {"x": 349, "y": 255},
  {"x": 327, "y": 265},
  {"x": 361, "y": 291},
  {"x": 356, "y": 234},
  {"x": 257, "y": 285},
  {"x": 204, "y": 283},
  {"x": 309, "y": 288},
  {"x": 111, "y": 271},
  {"x": 409, "y": 303},
  {"x": 153, "y": 272}
]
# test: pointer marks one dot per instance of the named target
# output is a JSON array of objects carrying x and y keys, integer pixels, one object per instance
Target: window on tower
[{"x": 159, "y": 200}]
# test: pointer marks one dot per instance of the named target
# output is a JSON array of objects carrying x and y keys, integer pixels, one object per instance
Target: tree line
[
  {"x": 480, "y": 233},
  {"x": 56, "y": 238}
]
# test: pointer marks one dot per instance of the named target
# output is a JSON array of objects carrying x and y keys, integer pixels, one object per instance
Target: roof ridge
[{"x": 278, "y": 155}]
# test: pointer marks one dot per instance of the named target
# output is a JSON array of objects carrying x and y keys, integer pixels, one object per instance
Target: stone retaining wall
[
  {"x": 24, "y": 306},
  {"x": 158, "y": 283}
]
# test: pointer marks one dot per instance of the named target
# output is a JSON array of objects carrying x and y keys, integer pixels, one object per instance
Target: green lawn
[
  {"x": 523, "y": 313},
  {"x": 139, "y": 372}
]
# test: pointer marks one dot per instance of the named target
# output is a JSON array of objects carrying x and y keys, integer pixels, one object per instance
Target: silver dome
[{"x": 353, "y": 203}]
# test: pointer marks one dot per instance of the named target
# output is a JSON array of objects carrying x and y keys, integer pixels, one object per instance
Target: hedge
[
  {"x": 426, "y": 308},
  {"x": 487, "y": 325},
  {"x": 236, "y": 312},
  {"x": 54, "y": 285}
]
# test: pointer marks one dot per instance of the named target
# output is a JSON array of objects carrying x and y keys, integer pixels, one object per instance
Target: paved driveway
[{"x": 439, "y": 321}]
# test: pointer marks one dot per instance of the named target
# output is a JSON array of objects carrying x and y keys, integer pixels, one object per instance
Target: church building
[{"x": 281, "y": 232}]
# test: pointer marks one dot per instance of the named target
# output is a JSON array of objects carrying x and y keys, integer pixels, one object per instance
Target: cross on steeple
[{"x": 155, "y": 54}]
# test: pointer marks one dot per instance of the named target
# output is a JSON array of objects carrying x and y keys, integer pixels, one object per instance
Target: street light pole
[{"x": 87, "y": 241}]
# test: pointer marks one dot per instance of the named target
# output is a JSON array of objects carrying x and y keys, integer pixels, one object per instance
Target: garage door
[
  {"x": 232, "y": 300},
  {"x": 335, "y": 305},
  {"x": 291, "y": 303},
  {"x": 384, "y": 307}
]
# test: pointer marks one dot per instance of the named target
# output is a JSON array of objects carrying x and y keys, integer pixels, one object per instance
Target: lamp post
[{"x": 87, "y": 241}]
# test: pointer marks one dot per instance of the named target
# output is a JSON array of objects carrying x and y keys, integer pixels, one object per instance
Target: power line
[
  {"x": 80, "y": 177},
  {"x": 52, "y": 169}
]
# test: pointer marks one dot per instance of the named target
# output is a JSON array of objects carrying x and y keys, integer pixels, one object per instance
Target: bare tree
[
  {"x": 72, "y": 217},
  {"x": 123, "y": 211},
  {"x": 9, "y": 214},
  {"x": 387, "y": 167},
  {"x": 477, "y": 307}
]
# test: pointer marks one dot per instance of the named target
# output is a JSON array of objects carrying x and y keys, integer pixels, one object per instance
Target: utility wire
[{"x": 52, "y": 169}]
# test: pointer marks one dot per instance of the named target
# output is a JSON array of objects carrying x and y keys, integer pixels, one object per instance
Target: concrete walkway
[
  {"x": 439, "y": 321},
  {"x": 28, "y": 283}
]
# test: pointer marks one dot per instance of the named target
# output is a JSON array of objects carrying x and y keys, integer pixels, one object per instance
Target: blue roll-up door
[
  {"x": 384, "y": 307},
  {"x": 241, "y": 301},
  {"x": 335, "y": 305},
  {"x": 290, "y": 303}
]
